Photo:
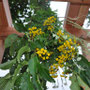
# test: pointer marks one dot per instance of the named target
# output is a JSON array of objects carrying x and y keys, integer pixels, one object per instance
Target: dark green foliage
[
  {"x": 18, "y": 9},
  {"x": 27, "y": 70},
  {"x": 85, "y": 74},
  {"x": 26, "y": 84},
  {"x": 75, "y": 84}
]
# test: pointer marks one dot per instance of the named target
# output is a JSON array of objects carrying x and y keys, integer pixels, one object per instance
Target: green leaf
[
  {"x": 74, "y": 84},
  {"x": 2, "y": 79},
  {"x": 15, "y": 47},
  {"x": 44, "y": 73},
  {"x": 34, "y": 2},
  {"x": 10, "y": 39},
  {"x": 33, "y": 46},
  {"x": 85, "y": 73},
  {"x": 20, "y": 27},
  {"x": 37, "y": 84},
  {"x": 85, "y": 76},
  {"x": 5, "y": 82},
  {"x": 8, "y": 64},
  {"x": 83, "y": 62},
  {"x": 33, "y": 69},
  {"x": 33, "y": 64},
  {"x": 83, "y": 84},
  {"x": 26, "y": 84},
  {"x": 2, "y": 85},
  {"x": 9, "y": 85},
  {"x": 21, "y": 51},
  {"x": 36, "y": 44}
]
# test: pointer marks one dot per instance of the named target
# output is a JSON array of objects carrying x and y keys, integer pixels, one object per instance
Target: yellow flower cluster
[
  {"x": 68, "y": 52},
  {"x": 50, "y": 28},
  {"x": 49, "y": 22},
  {"x": 43, "y": 53},
  {"x": 60, "y": 33},
  {"x": 53, "y": 70},
  {"x": 34, "y": 31}
]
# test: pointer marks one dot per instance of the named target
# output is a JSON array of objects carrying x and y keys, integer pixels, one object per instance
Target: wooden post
[
  {"x": 5, "y": 25},
  {"x": 1, "y": 49},
  {"x": 80, "y": 2},
  {"x": 77, "y": 14}
]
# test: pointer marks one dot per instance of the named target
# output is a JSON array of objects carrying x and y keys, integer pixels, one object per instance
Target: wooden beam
[
  {"x": 85, "y": 2},
  {"x": 77, "y": 14},
  {"x": 5, "y": 25},
  {"x": 6, "y": 21},
  {"x": 1, "y": 50},
  {"x": 5, "y": 16},
  {"x": 5, "y": 31},
  {"x": 0, "y": 22},
  {"x": 71, "y": 12},
  {"x": 83, "y": 12}
]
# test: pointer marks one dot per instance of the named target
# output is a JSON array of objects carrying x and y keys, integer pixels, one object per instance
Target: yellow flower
[
  {"x": 40, "y": 55},
  {"x": 42, "y": 49},
  {"x": 56, "y": 59},
  {"x": 48, "y": 22},
  {"x": 48, "y": 54},
  {"x": 52, "y": 72},
  {"x": 61, "y": 65},
  {"x": 43, "y": 58},
  {"x": 37, "y": 49},
  {"x": 34, "y": 31},
  {"x": 54, "y": 76},
  {"x": 61, "y": 75},
  {"x": 45, "y": 51},
  {"x": 47, "y": 57}
]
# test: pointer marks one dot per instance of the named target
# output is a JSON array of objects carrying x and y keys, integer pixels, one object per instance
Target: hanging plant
[{"x": 36, "y": 58}]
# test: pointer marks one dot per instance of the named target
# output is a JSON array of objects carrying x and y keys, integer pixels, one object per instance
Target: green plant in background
[{"x": 36, "y": 58}]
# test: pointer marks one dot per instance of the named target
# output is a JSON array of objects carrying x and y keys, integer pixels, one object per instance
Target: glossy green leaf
[
  {"x": 2, "y": 85},
  {"x": 5, "y": 82},
  {"x": 36, "y": 82},
  {"x": 83, "y": 62},
  {"x": 44, "y": 73},
  {"x": 33, "y": 45},
  {"x": 20, "y": 27},
  {"x": 85, "y": 73},
  {"x": 82, "y": 83},
  {"x": 21, "y": 51},
  {"x": 8, "y": 64},
  {"x": 2, "y": 79},
  {"x": 34, "y": 2},
  {"x": 9, "y": 85},
  {"x": 10, "y": 39},
  {"x": 26, "y": 84},
  {"x": 85, "y": 76},
  {"x": 33, "y": 65},
  {"x": 33, "y": 69},
  {"x": 74, "y": 83}
]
